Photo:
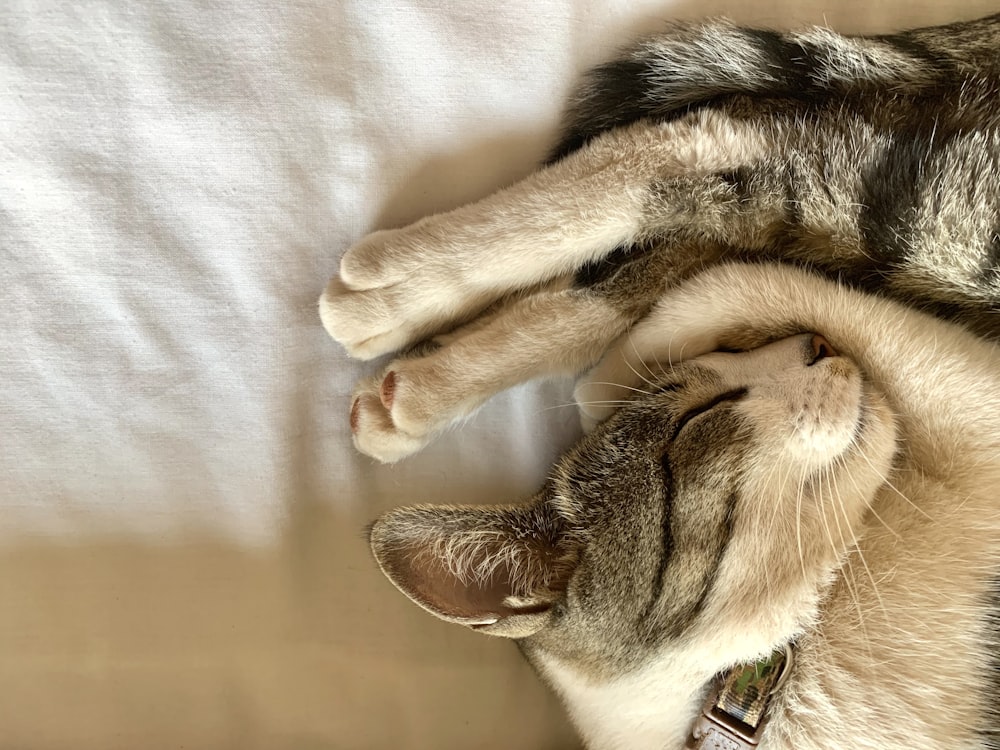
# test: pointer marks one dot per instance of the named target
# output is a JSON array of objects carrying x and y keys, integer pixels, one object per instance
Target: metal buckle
[
  {"x": 715, "y": 722},
  {"x": 717, "y": 730}
]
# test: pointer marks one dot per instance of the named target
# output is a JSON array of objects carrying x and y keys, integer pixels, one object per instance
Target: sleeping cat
[{"x": 798, "y": 455}]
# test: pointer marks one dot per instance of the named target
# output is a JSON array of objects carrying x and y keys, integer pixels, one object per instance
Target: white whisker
[{"x": 893, "y": 487}]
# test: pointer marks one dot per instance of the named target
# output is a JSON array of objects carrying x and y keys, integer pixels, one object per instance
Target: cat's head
[{"x": 715, "y": 505}]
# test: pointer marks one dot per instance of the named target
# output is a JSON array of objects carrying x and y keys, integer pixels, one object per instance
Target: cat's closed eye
[{"x": 688, "y": 416}]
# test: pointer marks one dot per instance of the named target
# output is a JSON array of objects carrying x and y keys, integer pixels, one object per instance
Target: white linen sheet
[{"x": 182, "y": 555}]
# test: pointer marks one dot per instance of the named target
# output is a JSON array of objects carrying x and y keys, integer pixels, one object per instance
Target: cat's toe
[
  {"x": 418, "y": 400},
  {"x": 398, "y": 412},
  {"x": 367, "y": 324},
  {"x": 374, "y": 262},
  {"x": 387, "y": 391},
  {"x": 374, "y": 432}
]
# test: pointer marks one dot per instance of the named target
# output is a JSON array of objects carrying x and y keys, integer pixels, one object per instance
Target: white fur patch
[{"x": 651, "y": 708}]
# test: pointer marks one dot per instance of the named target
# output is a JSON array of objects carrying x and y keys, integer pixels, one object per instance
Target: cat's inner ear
[{"x": 496, "y": 569}]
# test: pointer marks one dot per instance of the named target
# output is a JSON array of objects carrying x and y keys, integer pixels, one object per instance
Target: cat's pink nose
[{"x": 821, "y": 349}]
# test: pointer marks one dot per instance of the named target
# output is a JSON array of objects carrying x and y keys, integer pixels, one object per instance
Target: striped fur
[
  {"x": 836, "y": 491},
  {"x": 700, "y": 64}
]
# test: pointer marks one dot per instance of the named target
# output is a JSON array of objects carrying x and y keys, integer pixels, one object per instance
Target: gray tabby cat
[{"x": 810, "y": 454}]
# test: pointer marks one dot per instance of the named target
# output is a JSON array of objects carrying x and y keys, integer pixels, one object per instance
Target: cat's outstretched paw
[
  {"x": 368, "y": 323},
  {"x": 399, "y": 411},
  {"x": 375, "y": 261},
  {"x": 392, "y": 293},
  {"x": 376, "y": 435}
]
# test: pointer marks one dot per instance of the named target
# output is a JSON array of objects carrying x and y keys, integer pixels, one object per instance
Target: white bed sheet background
[{"x": 182, "y": 561}]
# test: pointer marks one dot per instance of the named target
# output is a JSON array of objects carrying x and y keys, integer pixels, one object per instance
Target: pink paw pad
[
  {"x": 355, "y": 414},
  {"x": 387, "y": 390}
]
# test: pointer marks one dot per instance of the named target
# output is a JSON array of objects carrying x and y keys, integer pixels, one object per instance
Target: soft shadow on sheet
[{"x": 115, "y": 644}]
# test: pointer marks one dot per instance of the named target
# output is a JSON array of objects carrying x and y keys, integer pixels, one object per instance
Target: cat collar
[{"x": 735, "y": 712}]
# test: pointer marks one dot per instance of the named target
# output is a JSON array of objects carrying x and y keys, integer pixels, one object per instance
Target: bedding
[{"x": 182, "y": 552}]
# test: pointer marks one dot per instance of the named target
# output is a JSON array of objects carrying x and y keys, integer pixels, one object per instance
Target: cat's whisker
[
  {"x": 822, "y": 514},
  {"x": 774, "y": 514},
  {"x": 670, "y": 362},
  {"x": 577, "y": 404},
  {"x": 875, "y": 591},
  {"x": 855, "y": 594},
  {"x": 882, "y": 521},
  {"x": 854, "y": 446},
  {"x": 642, "y": 378},
  {"x": 848, "y": 579},
  {"x": 639, "y": 358},
  {"x": 860, "y": 551},
  {"x": 798, "y": 524},
  {"x": 621, "y": 385},
  {"x": 891, "y": 486}
]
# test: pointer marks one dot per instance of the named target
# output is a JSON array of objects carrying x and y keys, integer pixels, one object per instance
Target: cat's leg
[
  {"x": 399, "y": 286},
  {"x": 908, "y": 354},
  {"x": 730, "y": 306},
  {"x": 561, "y": 329},
  {"x": 400, "y": 409}
]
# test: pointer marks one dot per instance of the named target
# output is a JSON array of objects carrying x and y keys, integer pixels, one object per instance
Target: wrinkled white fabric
[{"x": 182, "y": 557}]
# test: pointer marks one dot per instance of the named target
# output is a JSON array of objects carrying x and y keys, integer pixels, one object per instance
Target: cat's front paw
[
  {"x": 394, "y": 290},
  {"x": 368, "y": 323},
  {"x": 377, "y": 261},
  {"x": 396, "y": 413}
]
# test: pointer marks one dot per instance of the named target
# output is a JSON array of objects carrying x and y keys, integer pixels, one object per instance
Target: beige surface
[
  {"x": 182, "y": 560},
  {"x": 208, "y": 645}
]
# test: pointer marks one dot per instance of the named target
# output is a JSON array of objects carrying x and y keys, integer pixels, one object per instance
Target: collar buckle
[
  {"x": 735, "y": 713},
  {"x": 717, "y": 730}
]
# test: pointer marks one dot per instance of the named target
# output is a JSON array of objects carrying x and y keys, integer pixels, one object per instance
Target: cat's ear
[{"x": 498, "y": 570}]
